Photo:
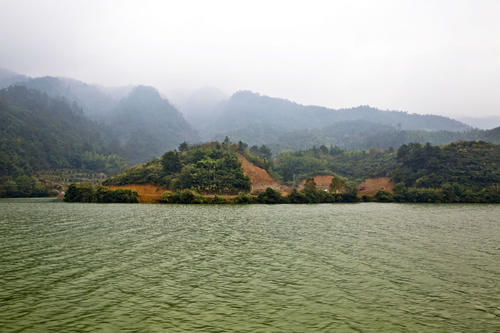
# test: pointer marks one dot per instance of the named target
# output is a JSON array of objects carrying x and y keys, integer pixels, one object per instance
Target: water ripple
[{"x": 302, "y": 268}]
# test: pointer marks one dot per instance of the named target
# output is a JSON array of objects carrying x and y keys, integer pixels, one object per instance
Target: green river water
[{"x": 366, "y": 267}]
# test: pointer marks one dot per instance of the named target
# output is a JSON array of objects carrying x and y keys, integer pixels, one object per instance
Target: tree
[
  {"x": 270, "y": 196},
  {"x": 296, "y": 197},
  {"x": 171, "y": 162},
  {"x": 337, "y": 185},
  {"x": 383, "y": 196},
  {"x": 265, "y": 152},
  {"x": 351, "y": 192},
  {"x": 183, "y": 146},
  {"x": 242, "y": 146},
  {"x": 310, "y": 185},
  {"x": 255, "y": 150}
]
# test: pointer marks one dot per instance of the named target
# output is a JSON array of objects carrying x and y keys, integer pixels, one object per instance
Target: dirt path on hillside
[{"x": 260, "y": 178}]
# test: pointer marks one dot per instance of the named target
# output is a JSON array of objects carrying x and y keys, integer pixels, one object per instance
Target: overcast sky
[{"x": 435, "y": 56}]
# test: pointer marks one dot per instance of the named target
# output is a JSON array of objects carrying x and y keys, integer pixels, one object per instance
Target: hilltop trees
[
  {"x": 468, "y": 163},
  {"x": 206, "y": 168},
  {"x": 171, "y": 162},
  {"x": 458, "y": 172}
]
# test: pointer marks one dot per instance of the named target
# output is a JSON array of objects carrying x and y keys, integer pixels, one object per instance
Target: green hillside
[
  {"x": 144, "y": 123},
  {"x": 206, "y": 168},
  {"x": 466, "y": 171},
  {"x": 38, "y": 133},
  {"x": 469, "y": 163}
]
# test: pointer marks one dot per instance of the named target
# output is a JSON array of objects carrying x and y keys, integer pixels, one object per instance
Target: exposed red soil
[
  {"x": 322, "y": 182},
  {"x": 372, "y": 185},
  {"x": 147, "y": 193},
  {"x": 260, "y": 178}
]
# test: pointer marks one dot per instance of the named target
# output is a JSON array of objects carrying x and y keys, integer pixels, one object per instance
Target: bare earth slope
[
  {"x": 260, "y": 178},
  {"x": 372, "y": 185},
  {"x": 322, "y": 182}
]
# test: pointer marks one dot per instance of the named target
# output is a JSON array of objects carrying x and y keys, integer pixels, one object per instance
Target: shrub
[
  {"x": 186, "y": 197},
  {"x": 367, "y": 198},
  {"x": 270, "y": 196},
  {"x": 244, "y": 198},
  {"x": 296, "y": 197},
  {"x": 383, "y": 196},
  {"x": 84, "y": 192},
  {"x": 166, "y": 197},
  {"x": 217, "y": 200}
]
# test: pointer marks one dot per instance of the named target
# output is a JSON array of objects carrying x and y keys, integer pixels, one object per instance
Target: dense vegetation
[
  {"x": 144, "y": 124},
  {"x": 468, "y": 163},
  {"x": 48, "y": 129},
  {"x": 85, "y": 192},
  {"x": 458, "y": 172},
  {"x": 206, "y": 168},
  {"x": 294, "y": 166},
  {"x": 38, "y": 133}
]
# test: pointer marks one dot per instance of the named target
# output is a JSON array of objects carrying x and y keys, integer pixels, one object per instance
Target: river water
[{"x": 366, "y": 267}]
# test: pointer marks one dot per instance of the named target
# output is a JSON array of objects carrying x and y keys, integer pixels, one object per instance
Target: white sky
[{"x": 435, "y": 56}]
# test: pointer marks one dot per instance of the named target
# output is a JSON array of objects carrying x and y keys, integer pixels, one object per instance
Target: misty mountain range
[{"x": 137, "y": 123}]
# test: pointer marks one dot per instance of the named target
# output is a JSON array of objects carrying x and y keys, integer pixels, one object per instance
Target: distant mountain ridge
[
  {"x": 363, "y": 135},
  {"x": 144, "y": 123},
  {"x": 148, "y": 125},
  {"x": 264, "y": 117}
]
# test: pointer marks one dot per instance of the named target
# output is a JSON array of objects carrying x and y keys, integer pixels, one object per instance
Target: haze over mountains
[{"x": 140, "y": 124}]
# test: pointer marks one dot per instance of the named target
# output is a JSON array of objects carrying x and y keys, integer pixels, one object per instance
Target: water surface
[{"x": 258, "y": 268}]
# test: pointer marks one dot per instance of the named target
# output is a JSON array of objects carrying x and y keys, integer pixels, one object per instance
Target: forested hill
[
  {"x": 252, "y": 112},
  {"x": 466, "y": 171},
  {"x": 145, "y": 124},
  {"x": 148, "y": 125},
  {"x": 39, "y": 132},
  {"x": 207, "y": 168},
  {"x": 363, "y": 135}
]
